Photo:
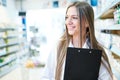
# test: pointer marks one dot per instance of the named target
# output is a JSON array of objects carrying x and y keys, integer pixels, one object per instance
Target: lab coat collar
[{"x": 84, "y": 46}]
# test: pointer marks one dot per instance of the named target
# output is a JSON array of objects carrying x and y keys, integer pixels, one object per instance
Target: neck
[{"x": 76, "y": 41}]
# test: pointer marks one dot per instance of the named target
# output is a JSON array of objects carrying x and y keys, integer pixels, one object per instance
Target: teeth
[{"x": 73, "y": 26}]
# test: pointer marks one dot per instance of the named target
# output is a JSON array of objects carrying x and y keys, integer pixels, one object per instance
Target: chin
[{"x": 70, "y": 33}]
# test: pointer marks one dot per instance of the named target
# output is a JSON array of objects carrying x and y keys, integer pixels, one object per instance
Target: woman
[{"x": 78, "y": 37}]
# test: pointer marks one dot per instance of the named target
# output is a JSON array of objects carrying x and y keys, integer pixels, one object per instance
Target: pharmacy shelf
[
  {"x": 6, "y": 62},
  {"x": 1, "y": 46},
  {"x": 9, "y": 58},
  {"x": 3, "y": 54},
  {"x": 5, "y": 29},
  {"x": 108, "y": 11},
  {"x": 8, "y": 53},
  {"x": 115, "y": 50},
  {"x": 108, "y": 44},
  {"x": 9, "y": 37},
  {"x": 2, "y": 73},
  {"x": 110, "y": 27}
]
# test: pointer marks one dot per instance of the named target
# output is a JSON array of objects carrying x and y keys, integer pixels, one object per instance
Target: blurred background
[{"x": 29, "y": 29}]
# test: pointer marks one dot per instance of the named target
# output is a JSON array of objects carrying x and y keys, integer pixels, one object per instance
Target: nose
[{"x": 69, "y": 21}]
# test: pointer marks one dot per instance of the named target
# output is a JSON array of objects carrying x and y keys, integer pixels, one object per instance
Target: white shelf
[
  {"x": 111, "y": 27},
  {"x": 115, "y": 50},
  {"x": 8, "y": 70},
  {"x": 107, "y": 13},
  {"x": 1, "y": 46},
  {"x": 106, "y": 10},
  {"x": 5, "y": 29},
  {"x": 6, "y": 62},
  {"x": 9, "y": 35}
]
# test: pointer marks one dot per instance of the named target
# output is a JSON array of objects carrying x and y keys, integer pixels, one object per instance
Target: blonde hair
[{"x": 65, "y": 39}]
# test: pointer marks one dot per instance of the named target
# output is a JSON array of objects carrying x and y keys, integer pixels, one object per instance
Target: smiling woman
[
  {"x": 79, "y": 33},
  {"x": 73, "y": 25},
  {"x": 72, "y": 21}
]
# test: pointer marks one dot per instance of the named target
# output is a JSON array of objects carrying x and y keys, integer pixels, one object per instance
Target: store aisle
[
  {"x": 22, "y": 73},
  {"x": 13, "y": 75},
  {"x": 35, "y": 73},
  {"x": 31, "y": 73}
]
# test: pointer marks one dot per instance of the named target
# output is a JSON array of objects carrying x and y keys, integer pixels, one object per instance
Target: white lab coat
[{"x": 49, "y": 70}]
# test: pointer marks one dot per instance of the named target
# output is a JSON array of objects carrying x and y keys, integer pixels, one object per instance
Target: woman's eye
[
  {"x": 66, "y": 17},
  {"x": 72, "y": 18},
  {"x": 75, "y": 17}
]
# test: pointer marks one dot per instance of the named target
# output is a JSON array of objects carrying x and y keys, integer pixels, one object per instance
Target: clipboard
[{"x": 82, "y": 64}]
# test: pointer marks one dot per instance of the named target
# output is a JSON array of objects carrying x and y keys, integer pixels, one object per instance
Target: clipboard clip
[{"x": 89, "y": 51}]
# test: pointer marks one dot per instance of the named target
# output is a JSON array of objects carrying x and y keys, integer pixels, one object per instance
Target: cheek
[
  {"x": 77, "y": 26},
  {"x": 75, "y": 30},
  {"x": 71, "y": 31}
]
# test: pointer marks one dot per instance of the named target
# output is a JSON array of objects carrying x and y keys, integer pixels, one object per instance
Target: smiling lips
[{"x": 71, "y": 27}]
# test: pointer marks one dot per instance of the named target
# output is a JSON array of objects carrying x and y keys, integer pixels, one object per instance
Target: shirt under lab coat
[{"x": 49, "y": 70}]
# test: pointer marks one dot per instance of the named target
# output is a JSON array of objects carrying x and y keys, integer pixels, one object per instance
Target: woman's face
[{"x": 73, "y": 22}]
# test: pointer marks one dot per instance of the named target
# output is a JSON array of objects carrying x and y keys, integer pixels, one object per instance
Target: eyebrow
[{"x": 72, "y": 15}]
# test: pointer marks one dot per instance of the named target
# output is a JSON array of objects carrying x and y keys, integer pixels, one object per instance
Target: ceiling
[{"x": 24, "y": 5}]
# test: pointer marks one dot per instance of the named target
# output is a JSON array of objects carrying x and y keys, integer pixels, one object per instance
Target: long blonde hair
[{"x": 65, "y": 39}]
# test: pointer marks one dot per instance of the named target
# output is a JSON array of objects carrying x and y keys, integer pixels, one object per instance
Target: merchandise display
[
  {"x": 31, "y": 63},
  {"x": 108, "y": 33},
  {"x": 25, "y": 38},
  {"x": 8, "y": 48}
]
